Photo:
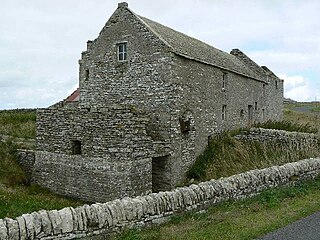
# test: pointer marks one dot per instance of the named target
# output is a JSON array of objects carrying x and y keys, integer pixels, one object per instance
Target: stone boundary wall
[
  {"x": 107, "y": 218},
  {"x": 289, "y": 140},
  {"x": 26, "y": 159}
]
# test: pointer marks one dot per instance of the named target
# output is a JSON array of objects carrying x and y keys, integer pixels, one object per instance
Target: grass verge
[
  {"x": 247, "y": 219},
  {"x": 226, "y": 156},
  {"x": 16, "y": 195}
]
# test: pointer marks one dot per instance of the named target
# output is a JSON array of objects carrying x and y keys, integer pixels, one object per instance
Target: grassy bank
[
  {"x": 226, "y": 156},
  {"x": 246, "y": 219},
  {"x": 16, "y": 195}
]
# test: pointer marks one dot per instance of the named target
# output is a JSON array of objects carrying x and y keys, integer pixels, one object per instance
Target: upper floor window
[
  {"x": 86, "y": 75},
  {"x": 224, "y": 81},
  {"x": 122, "y": 51}
]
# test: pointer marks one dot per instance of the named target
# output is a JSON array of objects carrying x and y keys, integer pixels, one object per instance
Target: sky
[{"x": 41, "y": 40}]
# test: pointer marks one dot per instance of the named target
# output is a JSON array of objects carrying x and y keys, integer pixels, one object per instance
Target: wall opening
[
  {"x": 161, "y": 174},
  {"x": 76, "y": 147},
  {"x": 250, "y": 114},
  {"x": 86, "y": 75}
]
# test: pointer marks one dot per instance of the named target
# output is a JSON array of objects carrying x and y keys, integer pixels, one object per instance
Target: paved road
[{"x": 304, "y": 229}]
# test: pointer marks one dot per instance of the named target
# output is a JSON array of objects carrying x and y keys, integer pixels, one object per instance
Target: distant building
[{"x": 149, "y": 99}]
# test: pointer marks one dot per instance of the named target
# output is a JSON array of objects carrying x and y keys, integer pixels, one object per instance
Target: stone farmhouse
[{"x": 149, "y": 100}]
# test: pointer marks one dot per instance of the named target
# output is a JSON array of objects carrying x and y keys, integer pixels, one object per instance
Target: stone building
[{"x": 149, "y": 99}]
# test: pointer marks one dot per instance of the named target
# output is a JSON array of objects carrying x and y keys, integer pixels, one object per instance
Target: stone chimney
[{"x": 123, "y": 5}]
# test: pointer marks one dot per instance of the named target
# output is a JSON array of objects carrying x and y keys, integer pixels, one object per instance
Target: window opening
[
  {"x": 224, "y": 112},
  {"x": 255, "y": 105},
  {"x": 122, "y": 51},
  {"x": 184, "y": 125},
  {"x": 76, "y": 147},
  {"x": 224, "y": 81},
  {"x": 86, "y": 77},
  {"x": 250, "y": 114}
]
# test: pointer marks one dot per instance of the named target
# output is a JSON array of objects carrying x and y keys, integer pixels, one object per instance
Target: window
[
  {"x": 224, "y": 112},
  {"x": 122, "y": 52},
  {"x": 276, "y": 83},
  {"x": 86, "y": 76},
  {"x": 76, "y": 147},
  {"x": 184, "y": 125},
  {"x": 255, "y": 106},
  {"x": 224, "y": 81}
]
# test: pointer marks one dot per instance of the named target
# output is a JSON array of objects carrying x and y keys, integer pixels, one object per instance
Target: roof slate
[{"x": 197, "y": 50}]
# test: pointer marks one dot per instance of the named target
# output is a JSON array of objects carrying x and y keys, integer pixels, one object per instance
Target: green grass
[
  {"x": 247, "y": 219},
  {"x": 16, "y": 195},
  {"x": 226, "y": 156},
  {"x": 288, "y": 126},
  {"x": 18, "y": 124},
  {"x": 17, "y": 200}
]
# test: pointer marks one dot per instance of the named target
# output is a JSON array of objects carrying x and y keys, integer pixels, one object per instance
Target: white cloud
[
  {"x": 41, "y": 41},
  {"x": 299, "y": 88}
]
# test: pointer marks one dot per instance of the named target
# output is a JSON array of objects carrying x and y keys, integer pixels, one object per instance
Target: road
[{"x": 305, "y": 229}]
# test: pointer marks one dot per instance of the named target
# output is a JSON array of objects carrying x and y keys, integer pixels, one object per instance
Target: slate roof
[{"x": 197, "y": 50}]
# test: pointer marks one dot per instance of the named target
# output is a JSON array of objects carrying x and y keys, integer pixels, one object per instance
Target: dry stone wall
[
  {"x": 93, "y": 155},
  {"x": 288, "y": 140},
  {"x": 103, "y": 219},
  {"x": 26, "y": 159}
]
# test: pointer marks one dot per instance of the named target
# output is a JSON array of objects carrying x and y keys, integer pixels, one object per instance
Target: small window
[
  {"x": 224, "y": 81},
  {"x": 276, "y": 84},
  {"x": 86, "y": 76},
  {"x": 224, "y": 112},
  {"x": 76, "y": 147},
  {"x": 122, "y": 51},
  {"x": 255, "y": 106},
  {"x": 184, "y": 125}
]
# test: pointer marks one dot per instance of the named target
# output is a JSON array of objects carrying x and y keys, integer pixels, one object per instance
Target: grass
[
  {"x": 247, "y": 219},
  {"x": 18, "y": 124},
  {"x": 16, "y": 195},
  {"x": 288, "y": 126},
  {"x": 226, "y": 156},
  {"x": 310, "y": 117}
]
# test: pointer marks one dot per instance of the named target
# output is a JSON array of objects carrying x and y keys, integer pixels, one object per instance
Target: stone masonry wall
[
  {"x": 289, "y": 140},
  {"x": 115, "y": 159},
  {"x": 26, "y": 159},
  {"x": 106, "y": 218}
]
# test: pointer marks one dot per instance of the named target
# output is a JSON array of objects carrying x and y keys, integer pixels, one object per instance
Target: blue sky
[{"x": 41, "y": 41}]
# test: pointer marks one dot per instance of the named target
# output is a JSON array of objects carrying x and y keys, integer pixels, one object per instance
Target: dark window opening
[
  {"x": 250, "y": 114},
  {"x": 224, "y": 112},
  {"x": 255, "y": 106},
  {"x": 184, "y": 125},
  {"x": 76, "y": 147},
  {"x": 224, "y": 81},
  {"x": 122, "y": 52},
  {"x": 86, "y": 76},
  {"x": 276, "y": 83}
]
